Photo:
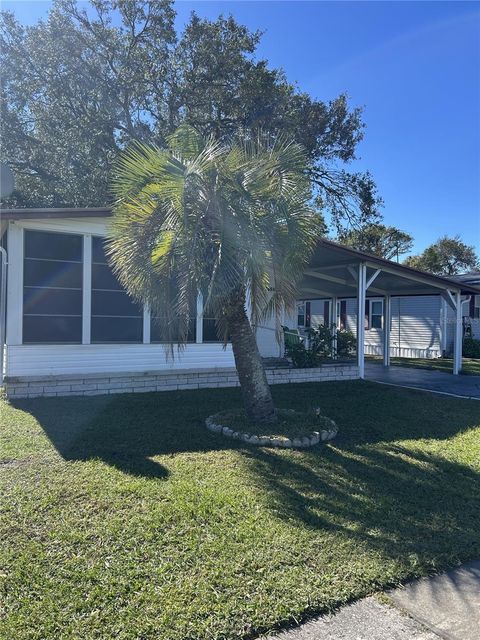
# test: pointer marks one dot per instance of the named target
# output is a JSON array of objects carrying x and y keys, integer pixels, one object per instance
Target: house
[{"x": 72, "y": 329}]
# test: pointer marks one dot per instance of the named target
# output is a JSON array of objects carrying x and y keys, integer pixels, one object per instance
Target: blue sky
[{"x": 414, "y": 66}]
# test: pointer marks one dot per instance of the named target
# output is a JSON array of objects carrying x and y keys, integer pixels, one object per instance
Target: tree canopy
[
  {"x": 383, "y": 241},
  {"x": 82, "y": 84},
  {"x": 447, "y": 256}
]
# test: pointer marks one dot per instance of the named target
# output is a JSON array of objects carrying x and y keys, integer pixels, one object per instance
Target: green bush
[
  {"x": 321, "y": 347},
  {"x": 321, "y": 341},
  {"x": 471, "y": 348},
  {"x": 346, "y": 343},
  {"x": 301, "y": 357}
]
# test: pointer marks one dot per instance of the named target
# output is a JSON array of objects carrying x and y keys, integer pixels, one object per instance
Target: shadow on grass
[
  {"x": 399, "y": 501},
  {"x": 407, "y": 509},
  {"x": 126, "y": 431},
  {"x": 380, "y": 481}
]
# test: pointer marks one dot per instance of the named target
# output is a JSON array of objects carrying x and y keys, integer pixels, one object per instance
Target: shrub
[
  {"x": 321, "y": 347},
  {"x": 321, "y": 340},
  {"x": 471, "y": 348},
  {"x": 301, "y": 357},
  {"x": 346, "y": 343}
]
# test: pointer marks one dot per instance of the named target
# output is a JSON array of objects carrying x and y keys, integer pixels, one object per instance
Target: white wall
[
  {"x": 47, "y": 359},
  {"x": 270, "y": 344}
]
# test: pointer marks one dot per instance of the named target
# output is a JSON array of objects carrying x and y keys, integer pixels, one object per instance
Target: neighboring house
[{"x": 71, "y": 328}]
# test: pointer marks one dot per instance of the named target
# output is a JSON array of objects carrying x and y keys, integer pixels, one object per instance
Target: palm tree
[{"x": 230, "y": 219}]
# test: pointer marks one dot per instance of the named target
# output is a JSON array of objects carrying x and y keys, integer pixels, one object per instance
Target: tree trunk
[{"x": 257, "y": 397}]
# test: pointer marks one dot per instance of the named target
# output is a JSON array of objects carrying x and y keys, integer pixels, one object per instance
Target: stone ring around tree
[{"x": 213, "y": 423}]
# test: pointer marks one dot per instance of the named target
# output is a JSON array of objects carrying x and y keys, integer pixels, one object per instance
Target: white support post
[
  {"x": 147, "y": 325},
  {"x": 14, "y": 285},
  {"x": 334, "y": 323},
  {"x": 87, "y": 289},
  {"x": 443, "y": 326},
  {"x": 361, "y": 296},
  {"x": 458, "y": 335},
  {"x": 199, "y": 328},
  {"x": 3, "y": 308},
  {"x": 387, "y": 323}
]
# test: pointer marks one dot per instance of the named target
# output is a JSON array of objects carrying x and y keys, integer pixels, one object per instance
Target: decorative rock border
[{"x": 265, "y": 441}]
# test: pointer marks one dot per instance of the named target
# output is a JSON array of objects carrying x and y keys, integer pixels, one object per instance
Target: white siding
[
  {"x": 416, "y": 326},
  {"x": 415, "y": 330},
  {"x": 373, "y": 337},
  {"x": 269, "y": 343},
  {"x": 317, "y": 315},
  {"x": 267, "y": 340},
  {"x": 476, "y": 328},
  {"x": 55, "y": 359}
]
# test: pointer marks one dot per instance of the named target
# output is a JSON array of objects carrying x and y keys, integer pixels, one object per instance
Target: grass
[
  {"x": 123, "y": 517},
  {"x": 470, "y": 366},
  {"x": 290, "y": 424}
]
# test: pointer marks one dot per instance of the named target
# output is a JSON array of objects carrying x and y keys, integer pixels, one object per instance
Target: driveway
[{"x": 467, "y": 386}]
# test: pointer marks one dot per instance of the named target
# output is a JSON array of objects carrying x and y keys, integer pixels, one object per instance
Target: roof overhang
[
  {"x": 69, "y": 212},
  {"x": 333, "y": 268}
]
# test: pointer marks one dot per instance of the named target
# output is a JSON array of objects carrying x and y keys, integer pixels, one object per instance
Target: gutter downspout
[{"x": 3, "y": 306}]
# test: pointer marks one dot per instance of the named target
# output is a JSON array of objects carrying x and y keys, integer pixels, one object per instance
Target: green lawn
[
  {"x": 470, "y": 366},
  {"x": 123, "y": 517}
]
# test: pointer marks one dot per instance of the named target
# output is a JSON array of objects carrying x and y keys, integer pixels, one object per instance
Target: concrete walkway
[
  {"x": 448, "y": 604},
  {"x": 366, "y": 619},
  {"x": 445, "y": 606},
  {"x": 465, "y": 386}
]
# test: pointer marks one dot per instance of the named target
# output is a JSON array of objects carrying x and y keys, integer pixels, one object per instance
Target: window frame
[
  {"x": 87, "y": 235},
  {"x": 342, "y": 317},
  {"x": 139, "y": 318},
  {"x": 39, "y": 287},
  {"x": 301, "y": 314},
  {"x": 371, "y": 302},
  {"x": 476, "y": 307}
]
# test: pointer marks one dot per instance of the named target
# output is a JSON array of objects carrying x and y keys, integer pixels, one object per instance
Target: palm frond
[{"x": 230, "y": 219}]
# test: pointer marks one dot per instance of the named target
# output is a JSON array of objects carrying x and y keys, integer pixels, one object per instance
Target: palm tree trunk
[{"x": 257, "y": 397}]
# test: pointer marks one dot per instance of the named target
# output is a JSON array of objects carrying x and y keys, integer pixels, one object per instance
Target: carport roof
[{"x": 332, "y": 272}]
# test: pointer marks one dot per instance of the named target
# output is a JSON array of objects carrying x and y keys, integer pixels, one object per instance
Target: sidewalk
[
  {"x": 448, "y": 604},
  {"x": 445, "y": 606},
  {"x": 366, "y": 619}
]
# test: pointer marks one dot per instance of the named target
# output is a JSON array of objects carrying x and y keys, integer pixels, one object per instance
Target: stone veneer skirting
[{"x": 109, "y": 383}]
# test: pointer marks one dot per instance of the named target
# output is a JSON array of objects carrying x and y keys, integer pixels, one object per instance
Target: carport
[{"x": 336, "y": 271}]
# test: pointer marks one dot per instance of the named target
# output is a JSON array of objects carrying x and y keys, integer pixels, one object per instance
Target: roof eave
[{"x": 45, "y": 213}]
